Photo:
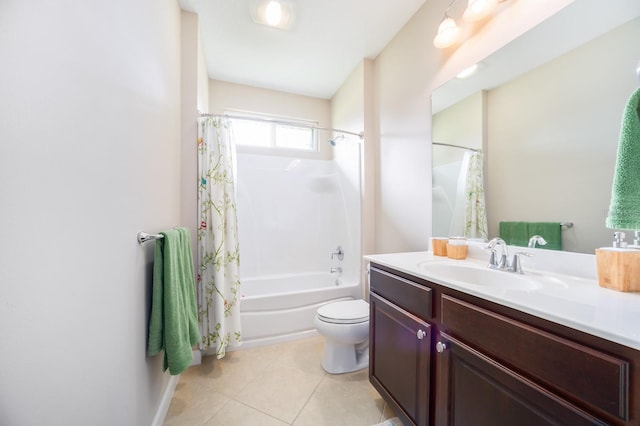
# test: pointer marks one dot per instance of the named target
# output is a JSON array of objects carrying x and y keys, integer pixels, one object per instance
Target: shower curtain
[
  {"x": 475, "y": 215},
  {"x": 218, "y": 254}
]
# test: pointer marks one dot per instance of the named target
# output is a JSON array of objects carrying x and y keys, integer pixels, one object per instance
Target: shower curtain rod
[
  {"x": 456, "y": 146},
  {"x": 285, "y": 123}
]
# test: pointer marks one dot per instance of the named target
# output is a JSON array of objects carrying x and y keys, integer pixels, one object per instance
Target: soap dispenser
[
  {"x": 619, "y": 266},
  {"x": 636, "y": 240},
  {"x": 618, "y": 240}
]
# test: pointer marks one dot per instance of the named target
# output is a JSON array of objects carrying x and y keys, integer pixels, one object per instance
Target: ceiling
[{"x": 327, "y": 40}]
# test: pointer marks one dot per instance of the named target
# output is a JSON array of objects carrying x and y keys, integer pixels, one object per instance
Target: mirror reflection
[{"x": 549, "y": 138}]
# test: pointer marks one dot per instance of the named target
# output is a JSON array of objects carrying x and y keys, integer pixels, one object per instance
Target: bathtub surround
[
  {"x": 218, "y": 245},
  {"x": 293, "y": 213},
  {"x": 173, "y": 327}
]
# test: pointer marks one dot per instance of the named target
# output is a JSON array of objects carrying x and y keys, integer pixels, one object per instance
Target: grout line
[{"x": 324, "y": 375}]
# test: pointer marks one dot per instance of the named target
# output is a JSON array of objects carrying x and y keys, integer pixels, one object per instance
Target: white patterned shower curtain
[
  {"x": 218, "y": 253},
  {"x": 475, "y": 215}
]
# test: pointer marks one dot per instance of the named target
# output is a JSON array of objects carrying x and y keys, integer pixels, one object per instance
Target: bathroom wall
[
  {"x": 406, "y": 72},
  {"x": 352, "y": 109},
  {"x": 89, "y": 156}
]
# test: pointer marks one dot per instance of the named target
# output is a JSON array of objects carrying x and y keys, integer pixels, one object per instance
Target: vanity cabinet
[
  {"x": 497, "y": 370},
  {"x": 400, "y": 345},
  {"x": 488, "y": 364}
]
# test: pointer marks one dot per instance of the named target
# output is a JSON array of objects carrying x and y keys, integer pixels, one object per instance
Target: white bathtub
[{"x": 279, "y": 308}]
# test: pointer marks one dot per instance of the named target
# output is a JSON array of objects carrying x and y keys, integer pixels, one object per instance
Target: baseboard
[{"x": 158, "y": 420}]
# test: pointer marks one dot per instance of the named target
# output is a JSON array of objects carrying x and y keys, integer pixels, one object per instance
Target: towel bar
[
  {"x": 143, "y": 237},
  {"x": 567, "y": 224}
]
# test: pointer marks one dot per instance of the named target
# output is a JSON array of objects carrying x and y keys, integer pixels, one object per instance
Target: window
[{"x": 272, "y": 132}]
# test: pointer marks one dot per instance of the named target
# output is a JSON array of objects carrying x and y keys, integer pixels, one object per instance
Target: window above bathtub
[{"x": 273, "y": 133}]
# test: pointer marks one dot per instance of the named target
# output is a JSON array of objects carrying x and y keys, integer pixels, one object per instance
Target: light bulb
[
  {"x": 273, "y": 13},
  {"x": 448, "y": 33},
  {"x": 479, "y": 9}
]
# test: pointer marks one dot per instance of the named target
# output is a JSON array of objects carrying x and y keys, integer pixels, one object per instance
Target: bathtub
[{"x": 279, "y": 308}]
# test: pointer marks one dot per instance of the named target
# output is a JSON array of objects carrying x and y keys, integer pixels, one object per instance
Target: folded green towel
[
  {"x": 515, "y": 233},
  {"x": 624, "y": 210},
  {"x": 174, "y": 315},
  {"x": 518, "y": 233}
]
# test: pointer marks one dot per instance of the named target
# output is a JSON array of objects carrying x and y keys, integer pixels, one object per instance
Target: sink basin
[{"x": 478, "y": 276}]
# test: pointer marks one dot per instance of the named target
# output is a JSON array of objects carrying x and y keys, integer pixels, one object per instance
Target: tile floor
[{"x": 275, "y": 385}]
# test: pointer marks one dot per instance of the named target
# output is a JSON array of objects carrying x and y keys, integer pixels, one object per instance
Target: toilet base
[{"x": 339, "y": 358}]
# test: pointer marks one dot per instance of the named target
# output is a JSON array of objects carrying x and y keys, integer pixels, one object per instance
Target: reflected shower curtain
[
  {"x": 218, "y": 254},
  {"x": 475, "y": 215}
]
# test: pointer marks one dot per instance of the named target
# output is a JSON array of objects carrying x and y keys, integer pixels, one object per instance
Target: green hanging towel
[
  {"x": 624, "y": 210},
  {"x": 174, "y": 317},
  {"x": 550, "y": 231},
  {"x": 515, "y": 233}
]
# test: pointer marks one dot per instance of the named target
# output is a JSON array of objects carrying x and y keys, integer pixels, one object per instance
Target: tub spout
[{"x": 338, "y": 270}]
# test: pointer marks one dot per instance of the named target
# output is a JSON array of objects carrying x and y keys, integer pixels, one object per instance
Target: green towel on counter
[
  {"x": 515, "y": 233},
  {"x": 518, "y": 233},
  {"x": 174, "y": 314},
  {"x": 624, "y": 210}
]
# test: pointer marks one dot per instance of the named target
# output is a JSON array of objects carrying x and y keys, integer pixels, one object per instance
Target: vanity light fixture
[
  {"x": 273, "y": 13},
  {"x": 477, "y": 10},
  {"x": 449, "y": 32}
]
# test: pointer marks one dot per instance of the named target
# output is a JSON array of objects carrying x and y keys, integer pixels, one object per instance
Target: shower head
[{"x": 333, "y": 141}]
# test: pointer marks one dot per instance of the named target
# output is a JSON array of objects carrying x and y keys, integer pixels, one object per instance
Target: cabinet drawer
[
  {"x": 573, "y": 370},
  {"x": 410, "y": 296}
]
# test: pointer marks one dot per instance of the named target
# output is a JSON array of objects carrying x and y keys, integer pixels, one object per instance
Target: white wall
[
  {"x": 554, "y": 136},
  {"x": 89, "y": 156}
]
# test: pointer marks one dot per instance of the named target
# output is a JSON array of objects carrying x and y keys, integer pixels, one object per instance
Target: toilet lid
[{"x": 347, "y": 312}]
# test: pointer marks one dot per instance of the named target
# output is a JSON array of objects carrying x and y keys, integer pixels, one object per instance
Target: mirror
[{"x": 547, "y": 120}]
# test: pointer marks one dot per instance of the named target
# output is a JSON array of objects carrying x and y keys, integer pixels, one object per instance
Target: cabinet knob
[
  {"x": 421, "y": 334},
  {"x": 441, "y": 347}
]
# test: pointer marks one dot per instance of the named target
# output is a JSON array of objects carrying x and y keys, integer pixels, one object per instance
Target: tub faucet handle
[{"x": 339, "y": 253}]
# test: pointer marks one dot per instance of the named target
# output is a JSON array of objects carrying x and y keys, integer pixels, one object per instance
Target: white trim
[{"x": 163, "y": 408}]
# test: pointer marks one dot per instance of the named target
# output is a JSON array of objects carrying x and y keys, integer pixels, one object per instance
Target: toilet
[{"x": 345, "y": 328}]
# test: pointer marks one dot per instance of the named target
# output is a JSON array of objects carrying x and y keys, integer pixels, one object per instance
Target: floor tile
[
  {"x": 282, "y": 384},
  {"x": 237, "y": 414}
]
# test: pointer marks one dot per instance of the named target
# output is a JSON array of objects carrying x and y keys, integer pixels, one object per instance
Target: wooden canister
[
  {"x": 619, "y": 269},
  {"x": 457, "y": 251},
  {"x": 439, "y": 246}
]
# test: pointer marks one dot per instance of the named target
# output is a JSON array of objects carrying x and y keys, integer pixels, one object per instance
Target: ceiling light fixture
[{"x": 273, "y": 13}]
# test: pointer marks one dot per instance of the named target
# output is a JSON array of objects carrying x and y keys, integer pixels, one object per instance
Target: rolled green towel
[
  {"x": 174, "y": 324},
  {"x": 624, "y": 210}
]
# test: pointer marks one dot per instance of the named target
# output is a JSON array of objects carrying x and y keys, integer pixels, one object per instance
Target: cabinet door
[
  {"x": 475, "y": 390},
  {"x": 399, "y": 359}
]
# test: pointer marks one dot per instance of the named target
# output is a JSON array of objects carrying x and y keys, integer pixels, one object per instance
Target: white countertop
[{"x": 574, "y": 301}]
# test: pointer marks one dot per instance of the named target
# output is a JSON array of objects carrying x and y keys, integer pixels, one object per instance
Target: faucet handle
[{"x": 516, "y": 263}]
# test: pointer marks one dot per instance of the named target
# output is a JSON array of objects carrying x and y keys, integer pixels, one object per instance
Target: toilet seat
[{"x": 346, "y": 312}]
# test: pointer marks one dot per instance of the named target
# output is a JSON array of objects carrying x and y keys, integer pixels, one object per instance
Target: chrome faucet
[
  {"x": 504, "y": 264},
  {"x": 494, "y": 261},
  {"x": 338, "y": 270},
  {"x": 537, "y": 239}
]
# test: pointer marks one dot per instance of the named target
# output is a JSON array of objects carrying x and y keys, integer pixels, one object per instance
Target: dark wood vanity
[{"x": 439, "y": 356}]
